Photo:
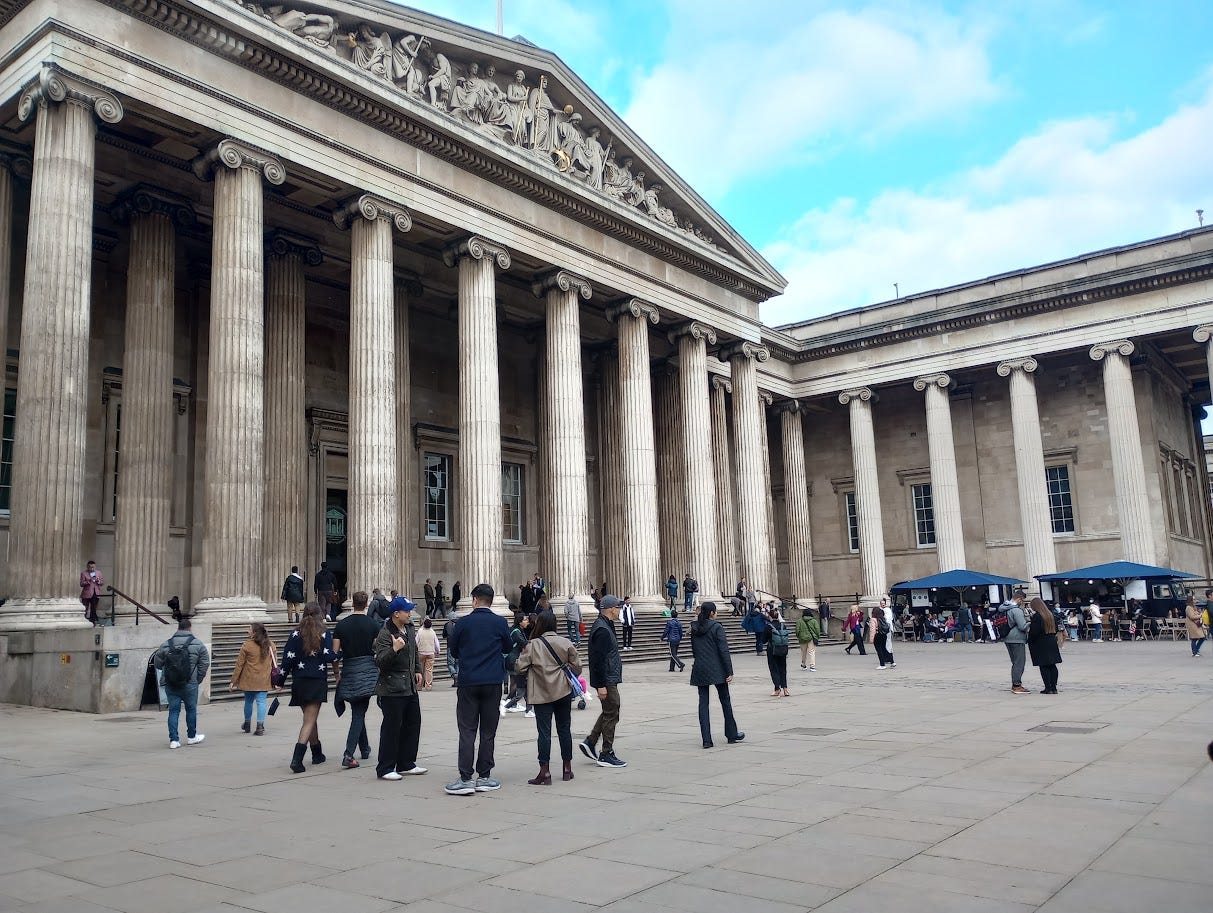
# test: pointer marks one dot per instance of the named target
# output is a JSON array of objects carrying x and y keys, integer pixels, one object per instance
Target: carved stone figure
[
  {"x": 595, "y": 157},
  {"x": 516, "y": 94},
  {"x": 570, "y": 141},
  {"x": 406, "y": 74},
  {"x": 494, "y": 103},
  {"x": 316, "y": 28},
  {"x": 371, "y": 51},
  {"x": 465, "y": 96},
  {"x": 541, "y": 107},
  {"x": 654, "y": 208},
  {"x": 439, "y": 83},
  {"x": 616, "y": 178},
  {"x": 634, "y": 195}
]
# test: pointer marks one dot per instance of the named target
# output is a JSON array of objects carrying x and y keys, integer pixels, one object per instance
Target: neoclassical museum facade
[{"x": 347, "y": 282}]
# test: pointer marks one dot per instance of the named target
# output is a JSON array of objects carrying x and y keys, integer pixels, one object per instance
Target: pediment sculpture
[{"x": 516, "y": 109}]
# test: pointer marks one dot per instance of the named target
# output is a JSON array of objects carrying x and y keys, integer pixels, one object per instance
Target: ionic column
[
  {"x": 1204, "y": 336},
  {"x": 642, "y": 573},
  {"x": 695, "y": 443},
  {"x": 373, "y": 557},
  {"x": 671, "y": 486},
  {"x": 867, "y": 494},
  {"x": 796, "y": 497},
  {"x": 479, "y": 411},
  {"x": 50, "y": 435},
  {"x": 286, "y": 460},
  {"x": 1039, "y": 555},
  {"x": 235, "y": 414},
  {"x": 566, "y": 532},
  {"x": 765, "y": 401},
  {"x": 945, "y": 489},
  {"x": 145, "y": 459},
  {"x": 726, "y": 520},
  {"x": 753, "y": 492},
  {"x": 8, "y": 165},
  {"x": 610, "y": 453},
  {"x": 1128, "y": 465},
  {"x": 406, "y": 454}
]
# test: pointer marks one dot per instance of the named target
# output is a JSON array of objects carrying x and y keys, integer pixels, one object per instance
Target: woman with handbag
[
  {"x": 306, "y": 658},
  {"x": 713, "y": 666},
  {"x": 1042, "y": 644},
  {"x": 518, "y": 639},
  {"x": 253, "y": 675},
  {"x": 551, "y": 664},
  {"x": 855, "y": 629}
]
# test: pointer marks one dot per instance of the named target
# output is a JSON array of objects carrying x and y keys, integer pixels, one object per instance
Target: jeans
[
  {"x": 627, "y": 636},
  {"x": 674, "y": 660},
  {"x": 688, "y": 601},
  {"x": 259, "y": 698},
  {"x": 356, "y": 738},
  {"x": 778, "y": 666},
  {"x": 188, "y": 695},
  {"x": 562, "y": 711},
  {"x": 400, "y": 733},
  {"x": 573, "y": 629},
  {"x": 963, "y": 633},
  {"x": 608, "y": 719},
  {"x": 705, "y": 716},
  {"x": 1196, "y": 645},
  {"x": 1096, "y": 631},
  {"x": 758, "y": 645},
  {"x": 452, "y": 666},
  {"x": 477, "y": 707},
  {"x": 1017, "y": 652}
]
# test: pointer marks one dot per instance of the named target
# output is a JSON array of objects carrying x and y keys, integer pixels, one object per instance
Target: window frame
[
  {"x": 1051, "y": 467},
  {"x": 520, "y": 496},
  {"x": 925, "y": 505},
  {"x": 8, "y": 432},
  {"x": 850, "y": 514},
  {"x": 448, "y": 491}
]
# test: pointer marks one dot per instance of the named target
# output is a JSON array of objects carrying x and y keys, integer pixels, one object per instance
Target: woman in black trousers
[
  {"x": 777, "y": 654},
  {"x": 1042, "y": 644},
  {"x": 713, "y": 666}
]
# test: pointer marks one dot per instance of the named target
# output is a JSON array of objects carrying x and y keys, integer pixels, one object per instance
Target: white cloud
[
  {"x": 1068, "y": 189},
  {"x": 729, "y": 101}
]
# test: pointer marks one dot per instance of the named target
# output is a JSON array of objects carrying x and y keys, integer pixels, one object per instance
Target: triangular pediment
[{"x": 517, "y": 97}]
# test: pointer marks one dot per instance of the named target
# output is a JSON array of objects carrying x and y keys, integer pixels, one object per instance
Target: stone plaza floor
[{"x": 929, "y": 787}]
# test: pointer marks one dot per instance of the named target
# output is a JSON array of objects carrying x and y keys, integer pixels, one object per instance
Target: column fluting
[
  {"x": 768, "y": 502},
  {"x": 406, "y": 454},
  {"x": 610, "y": 454},
  {"x": 1039, "y": 555},
  {"x": 945, "y": 489},
  {"x": 671, "y": 486},
  {"x": 286, "y": 457},
  {"x": 695, "y": 442},
  {"x": 726, "y": 521},
  {"x": 641, "y": 563},
  {"x": 753, "y": 493},
  {"x": 6, "y": 249},
  {"x": 479, "y": 412},
  {"x": 49, "y": 450},
  {"x": 235, "y": 413},
  {"x": 567, "y": 498},
  {"x": 796, "y": 499},
  {"x": 867, "y": 494},
  {"x": 1128, "y": 464}
]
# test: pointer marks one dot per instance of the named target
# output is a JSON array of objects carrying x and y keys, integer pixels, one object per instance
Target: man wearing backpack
[
  {"x": 690, "y": 586},
  {"x": 183, "y": 661},
  {"x": 775, "y": 633},
  {"x": 1016, "y": 638}
]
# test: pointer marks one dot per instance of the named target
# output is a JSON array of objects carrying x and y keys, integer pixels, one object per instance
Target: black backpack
[{"x": 177, "y": 665}]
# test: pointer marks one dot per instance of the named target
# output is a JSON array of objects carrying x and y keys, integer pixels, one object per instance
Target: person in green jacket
[{"x": 808, "y": 633}]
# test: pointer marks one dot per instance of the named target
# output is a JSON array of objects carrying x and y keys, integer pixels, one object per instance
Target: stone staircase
[{"x": 646, "y": 647}]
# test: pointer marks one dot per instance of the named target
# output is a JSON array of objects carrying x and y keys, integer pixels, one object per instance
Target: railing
[{"x": 139, "y": 607}]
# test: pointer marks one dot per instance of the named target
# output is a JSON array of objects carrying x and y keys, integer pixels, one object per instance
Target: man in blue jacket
[{"x": 479, "y": 643}]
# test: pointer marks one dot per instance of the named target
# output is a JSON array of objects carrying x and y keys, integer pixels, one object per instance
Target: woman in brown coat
[
  {"x": 1196, "y": 626},
  {"x": 549, "y": 691},
  {"x": 252, "y": 674}
]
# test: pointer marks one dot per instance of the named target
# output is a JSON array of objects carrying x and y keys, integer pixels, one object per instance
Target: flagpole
[{"x": 500, "y": 19}]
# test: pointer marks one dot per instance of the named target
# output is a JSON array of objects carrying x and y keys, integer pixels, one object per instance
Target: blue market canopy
[
  {"x": 1119, "y": 570},
  {"x": 956, "y": 580}
]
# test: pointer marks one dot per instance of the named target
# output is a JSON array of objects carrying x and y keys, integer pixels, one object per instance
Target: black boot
[
  {"x": 297, "y": 759},
  {"x": 317, "y": 754}
]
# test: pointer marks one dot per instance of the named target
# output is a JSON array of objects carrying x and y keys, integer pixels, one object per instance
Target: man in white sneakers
[{"x": 183, "y": 661}]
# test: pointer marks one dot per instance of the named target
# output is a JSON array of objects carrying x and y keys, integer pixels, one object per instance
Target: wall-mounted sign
[
  {"x": 111, "y": 660},
  {"x": 65, "y": 658},
  {"x": 334, "y": 525}
]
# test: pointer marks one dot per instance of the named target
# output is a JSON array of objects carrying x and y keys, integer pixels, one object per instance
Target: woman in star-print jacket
[{"x": 306, "y": 657}]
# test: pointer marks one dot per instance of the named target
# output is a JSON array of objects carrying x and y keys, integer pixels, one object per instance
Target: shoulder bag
[{"x": 574, "y": 682}]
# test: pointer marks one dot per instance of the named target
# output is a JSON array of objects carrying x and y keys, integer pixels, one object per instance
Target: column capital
[
  {"x": 280, "y": 243},
  {"x": 695, "y": 330},
  {"x": 1124, "y": 347},
  {"x": 745, "y": 349},
  {"x": 54, "y": 85},
  {"x": 410, "y": 282},
  {"x": 562, "y": 280},
  {"x": 635, "y": 307},
  {"x": 858, "y": 394},
  {"x": 145, "y": 200},
  {"x": 1027, "y": 365},
  {"x": 720, "y": 382},
  {"x": 765, "y": 398},
  {"x": 1203, "y": 333},
  {"x": 791, "y": 406},
  {"x": 476, "y": 248},
  {"x": 373, "y": 208},
  {"x": 17, "y": 160},
  {"x": 235, "y": 154},
  {"x": 932, "y": 380}
]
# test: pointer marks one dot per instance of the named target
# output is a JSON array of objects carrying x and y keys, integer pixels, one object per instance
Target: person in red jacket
[{"x": 91, "y": 583}]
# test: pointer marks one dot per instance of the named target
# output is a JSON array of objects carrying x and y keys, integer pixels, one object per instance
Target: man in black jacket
[
  {"x": 325, "y": 586},
  {"x": 293, "y": 595},
  {"x": 606, "y": 674}
]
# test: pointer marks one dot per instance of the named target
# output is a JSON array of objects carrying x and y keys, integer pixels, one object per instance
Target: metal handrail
[{"x": 139, "y": 607}]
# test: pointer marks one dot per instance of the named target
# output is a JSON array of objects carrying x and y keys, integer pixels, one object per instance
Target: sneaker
[
  {"x": 588, "y": 749},
  {"x": 740, "y": 737},
  {"x": 803, "y": 666},
  {"x": 812, "y": 668},
  {"x": 458, "y": 788},
  {"x": 608, "y": 759},
  {"x": 1019, "y": 689},
  {"x": 530, "y": 714},
  {"x": 883, "y": 667},
  {"x": 174, "y": 744},
  {"x": 348, "y": 763},
  {"x": 486, "y": 784},
  {"x": 892, "y": 665},
  {"x": 415, "y": 771},
  {"x": 195, "y": 739},
  {"x": 392, "y": 775}
]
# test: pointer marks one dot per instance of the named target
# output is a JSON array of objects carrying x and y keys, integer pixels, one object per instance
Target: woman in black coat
[
  {"x": 713, "y": 666},
  {"x": 1042, "y": 644}
]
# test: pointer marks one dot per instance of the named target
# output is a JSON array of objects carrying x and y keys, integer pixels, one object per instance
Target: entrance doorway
[{"x": 335, "y": 527}]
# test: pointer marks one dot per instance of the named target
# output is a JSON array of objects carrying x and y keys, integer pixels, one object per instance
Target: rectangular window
[
  {"x": 1061, "y": 507},
  {"x": 924, "y": 515},
  {"x": 437, "y": 494},
  {"x": 852, "y": 522},
  {"x": 511, "y": 502},
  {"x": 6, "y": 449}
]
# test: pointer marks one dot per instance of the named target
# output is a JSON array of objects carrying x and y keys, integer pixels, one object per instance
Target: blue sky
[{"x": 861, "y": 144}]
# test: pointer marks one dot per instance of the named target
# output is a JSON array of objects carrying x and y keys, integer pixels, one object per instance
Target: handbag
[{"x": 574, "y": 681}]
